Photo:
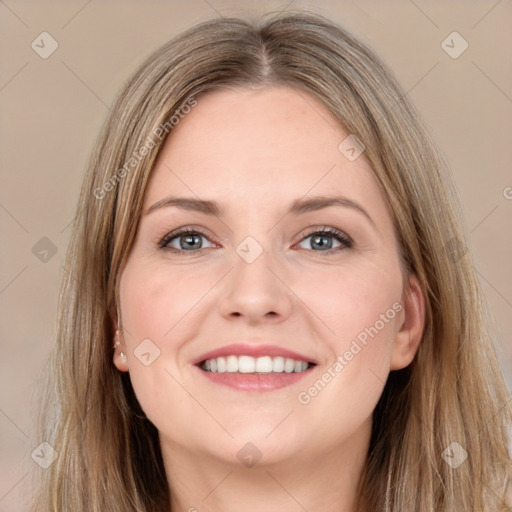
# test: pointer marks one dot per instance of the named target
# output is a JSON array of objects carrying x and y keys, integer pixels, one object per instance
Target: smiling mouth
[{"x": 254, "y": 365}]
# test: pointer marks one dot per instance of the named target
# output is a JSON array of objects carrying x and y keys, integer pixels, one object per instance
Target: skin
[{"x": 255, "y": 151}]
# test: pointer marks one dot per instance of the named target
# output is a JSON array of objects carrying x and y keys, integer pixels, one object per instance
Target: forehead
[{"x": 265, "y": 146}]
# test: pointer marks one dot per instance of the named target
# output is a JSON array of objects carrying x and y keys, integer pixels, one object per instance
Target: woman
[{"x": 270, "y": 308}]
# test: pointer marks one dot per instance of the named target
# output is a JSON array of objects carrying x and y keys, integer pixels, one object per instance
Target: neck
[{"x": 327, "y": 481}]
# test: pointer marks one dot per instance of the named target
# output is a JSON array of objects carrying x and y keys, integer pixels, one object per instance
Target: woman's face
[{"x": 259, "y": 285}]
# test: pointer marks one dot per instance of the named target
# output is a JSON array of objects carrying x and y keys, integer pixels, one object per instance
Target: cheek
[
  {"x": 155, "y": 299},
  {"x": 362, "y": 307},
  {"x": 157, "y": 305},
  {"x": 354, "y": 301}
]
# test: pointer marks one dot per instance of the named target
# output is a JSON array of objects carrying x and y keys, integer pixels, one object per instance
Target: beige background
[{"x": 52, "y": 110}]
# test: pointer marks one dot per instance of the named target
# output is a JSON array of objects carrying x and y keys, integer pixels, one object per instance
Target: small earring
[
  {"x": 122, "y": 355},
  {"x": 117, "y": 342}
]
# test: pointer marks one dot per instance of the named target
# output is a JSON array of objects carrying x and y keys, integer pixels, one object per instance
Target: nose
[{"x": 256, "y": 291}]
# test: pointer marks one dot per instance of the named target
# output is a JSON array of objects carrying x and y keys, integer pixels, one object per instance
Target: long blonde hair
[{"x": 109, "y": 456}]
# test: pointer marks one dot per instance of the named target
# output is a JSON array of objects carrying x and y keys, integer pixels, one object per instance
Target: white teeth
[
  {"x": 289, "y": 365},
  {"x": 278, "y": 364},
  {"x": 221, "y": 364},
  {"x": 264, "y": 364},
  {"x": 231, "y": 364},
  {"x": 248, "y": 364}
]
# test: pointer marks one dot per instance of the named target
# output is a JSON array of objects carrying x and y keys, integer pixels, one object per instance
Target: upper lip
[{"x": 252, "y": 349}]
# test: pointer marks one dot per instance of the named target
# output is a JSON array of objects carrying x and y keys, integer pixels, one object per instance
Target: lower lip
[{"x": 255, "y": 382}]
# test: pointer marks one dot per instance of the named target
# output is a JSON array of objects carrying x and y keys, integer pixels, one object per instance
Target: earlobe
[
  {"x": 119, "y": 357},
  {"x": 410, "y": 332}
]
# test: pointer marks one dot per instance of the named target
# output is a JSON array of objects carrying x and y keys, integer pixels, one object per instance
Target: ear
[
  {"x": 119, "y": 357},
  {"x": 410, "y": 332}
]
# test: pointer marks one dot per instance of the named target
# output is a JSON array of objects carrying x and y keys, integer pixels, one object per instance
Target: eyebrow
[{"x": 297, "y": 207}]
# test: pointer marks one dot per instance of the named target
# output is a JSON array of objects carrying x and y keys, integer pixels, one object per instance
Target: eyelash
[{"x": 346, "y": 242}]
